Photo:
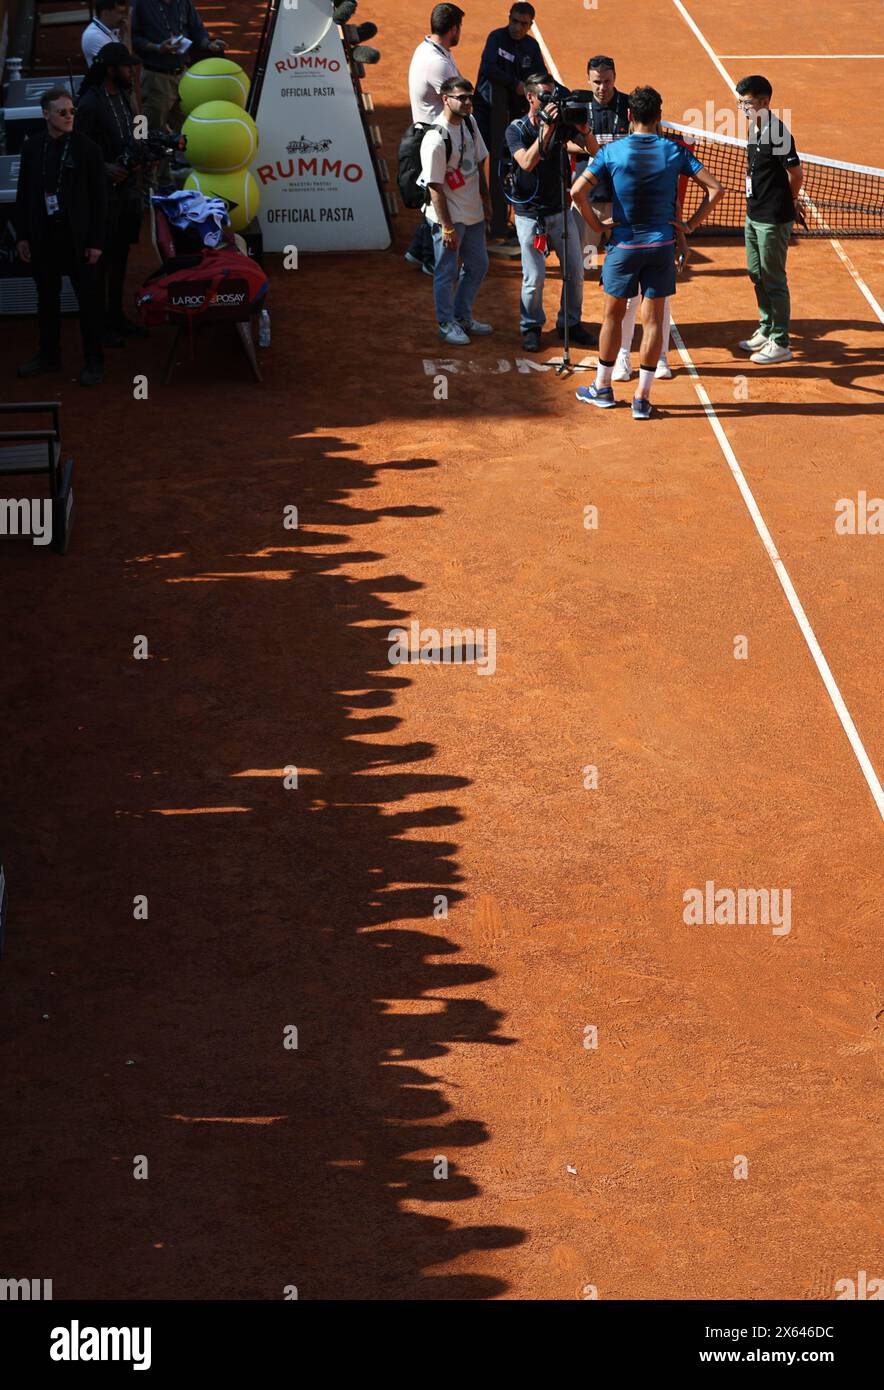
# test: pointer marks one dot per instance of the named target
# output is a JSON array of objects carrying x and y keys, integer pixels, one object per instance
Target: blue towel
[{"x": 188, "y": 208}]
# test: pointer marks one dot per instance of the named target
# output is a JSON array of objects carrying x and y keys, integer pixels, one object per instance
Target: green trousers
[{"x": 766, "y": 247}]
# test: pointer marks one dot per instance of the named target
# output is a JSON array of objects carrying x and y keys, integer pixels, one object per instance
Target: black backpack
[{"x": 413, "y": 194}]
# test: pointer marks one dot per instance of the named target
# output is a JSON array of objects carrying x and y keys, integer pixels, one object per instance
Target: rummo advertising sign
[{"x": 318, "y": 187}]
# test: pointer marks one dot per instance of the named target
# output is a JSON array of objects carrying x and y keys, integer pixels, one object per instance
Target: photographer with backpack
[{"x": 452, "y": 168}]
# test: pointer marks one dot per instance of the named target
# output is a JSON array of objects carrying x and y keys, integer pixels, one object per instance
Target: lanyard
[
  {"x": 753, "y": 149},
  {"x": 124, "y": 127},
  {"x": 62, "y": 158},
  {"x": 164, "y": 11}
]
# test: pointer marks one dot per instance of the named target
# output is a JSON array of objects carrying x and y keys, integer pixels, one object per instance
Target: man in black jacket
[
  {"x": 60, "y": 214},
  {"x": 104, "y": 113}
]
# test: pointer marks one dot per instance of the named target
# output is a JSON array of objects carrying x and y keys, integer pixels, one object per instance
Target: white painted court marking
[
  {"x": 790, "y": 56},
  {"x": 699, "y": 36},
  {"x": 782, "y": 574},
  {"x": 752, "y": 507},
  {"x": 836, "y": 245}
]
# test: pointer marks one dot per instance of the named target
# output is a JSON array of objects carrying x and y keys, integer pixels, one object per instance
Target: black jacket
[
  {"x": 82, "y": 194},
  {"x": 112, "y": 134}
]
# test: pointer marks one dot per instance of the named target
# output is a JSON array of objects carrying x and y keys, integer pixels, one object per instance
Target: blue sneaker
[
  {"x": 602, "y": 396},
  {"x": 641, "y": 409}
]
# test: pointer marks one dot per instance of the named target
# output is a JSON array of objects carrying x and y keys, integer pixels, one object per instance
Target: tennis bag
[
  {"x": 219, "y": 282},
  {"x": 413, "y": 194}
]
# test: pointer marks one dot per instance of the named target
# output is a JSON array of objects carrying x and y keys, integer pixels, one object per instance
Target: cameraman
[
  {"x": 535, "y": 144},
  {"x": 104, "y": 113}
]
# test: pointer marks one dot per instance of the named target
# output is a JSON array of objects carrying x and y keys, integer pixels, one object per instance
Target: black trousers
[
  {"x": 492, "y": 122},
  {"x": 121, "y": 230},
  {"x": 51, "y": 258},
  {"x": 112, "y": 276}
]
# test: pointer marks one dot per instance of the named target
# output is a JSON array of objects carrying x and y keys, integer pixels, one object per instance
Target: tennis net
[{"x": 840, "y": 200}]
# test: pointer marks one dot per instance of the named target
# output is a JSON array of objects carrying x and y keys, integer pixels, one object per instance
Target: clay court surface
[{"x": 459, "y": 1036}]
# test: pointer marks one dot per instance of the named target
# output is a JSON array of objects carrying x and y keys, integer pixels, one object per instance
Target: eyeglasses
[{"x": 461, "y": 96}]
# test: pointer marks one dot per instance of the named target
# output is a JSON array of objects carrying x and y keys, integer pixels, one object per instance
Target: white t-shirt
[
  {"x": 430, "y": 66},
  {"x": 95, "y": 36},
  {"x": 467, "y": 153}
]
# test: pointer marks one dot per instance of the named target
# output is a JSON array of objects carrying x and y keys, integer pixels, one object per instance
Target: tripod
[{"x": 561, "y": 145}]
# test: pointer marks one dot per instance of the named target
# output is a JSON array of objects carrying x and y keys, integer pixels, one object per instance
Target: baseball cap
[{"x": 117, "y": 55}]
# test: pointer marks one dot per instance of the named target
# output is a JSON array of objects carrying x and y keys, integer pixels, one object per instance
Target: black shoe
[
  {"x": 531, "y": 340},
  {"x": 112, "y": 338},
  {"x": 41, "y": 365},
  {"x": 583, "y": 337},
  {"x": 129, "y": 329},
  {"x": 92, "y": 374}
]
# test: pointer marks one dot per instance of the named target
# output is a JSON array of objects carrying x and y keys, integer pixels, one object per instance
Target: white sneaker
[
  {"x": 454, "y": 334},
  {"x": 752, "y": 344},
  {"x": 664, "y": 371},
  {"x": 772, "y": 352},
  {"x": 475, "y": 327},
  {"x": 622, "y": 367}
]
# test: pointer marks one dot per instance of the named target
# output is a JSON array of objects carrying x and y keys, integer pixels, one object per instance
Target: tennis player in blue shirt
[{"x": 643, "y": 170}]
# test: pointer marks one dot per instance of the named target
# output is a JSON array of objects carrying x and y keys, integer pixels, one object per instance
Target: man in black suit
[
  {"x": 104, "y": 113},
  {"x": 60, "y": 215}
]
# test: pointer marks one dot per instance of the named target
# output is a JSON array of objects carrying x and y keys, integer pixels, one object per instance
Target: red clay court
[{"x": 466, "y": 1036}]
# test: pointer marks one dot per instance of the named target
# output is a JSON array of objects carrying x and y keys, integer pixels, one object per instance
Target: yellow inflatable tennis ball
[
  {"x": 240, "y": 192},
  {"x": 214, "y": 79},
  {"x": 220, "y": 137}
]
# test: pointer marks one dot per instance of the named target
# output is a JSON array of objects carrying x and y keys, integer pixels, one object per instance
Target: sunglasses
[{"x": 461, "y": 96}]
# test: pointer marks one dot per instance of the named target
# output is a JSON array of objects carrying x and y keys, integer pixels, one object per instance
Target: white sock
[
  {"x": 629, "y": 324},
  {"x": 645, "y": 380},
  {"x": 603, "y": 375}
]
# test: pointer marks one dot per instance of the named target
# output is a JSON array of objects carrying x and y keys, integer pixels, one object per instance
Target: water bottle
[{"x": 264, "y": 329}]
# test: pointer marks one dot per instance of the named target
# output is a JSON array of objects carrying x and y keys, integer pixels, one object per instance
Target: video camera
[
  {"x": 156, "y": 145},
  {"x": 573, "y": 108}
]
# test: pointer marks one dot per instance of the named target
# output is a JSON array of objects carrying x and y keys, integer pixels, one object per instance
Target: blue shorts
[{"x": 650, "y": 269}]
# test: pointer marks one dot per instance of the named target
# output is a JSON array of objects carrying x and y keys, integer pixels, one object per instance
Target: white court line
[
  {"x": 708, "y": 47},
  {"x": 836, "y": 245},
  {"x": 782, "y": 574},
  {"x": 815, "y": 56},
  {"x": 780, "y": 570}
]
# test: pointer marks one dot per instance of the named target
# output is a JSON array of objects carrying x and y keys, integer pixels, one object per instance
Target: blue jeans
[
  {"x": 534, "y": 270},
  {"x": 457, "y": 303}
]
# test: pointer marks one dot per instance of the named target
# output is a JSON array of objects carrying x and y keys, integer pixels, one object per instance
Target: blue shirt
[{"x": 643, "y": 171}]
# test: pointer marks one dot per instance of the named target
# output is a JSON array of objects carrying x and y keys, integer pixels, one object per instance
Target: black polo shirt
[
  {"x": 542, "y": 187},
  {"x": 611, "y": 121},
  {"x": 770, "y": 154}
]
